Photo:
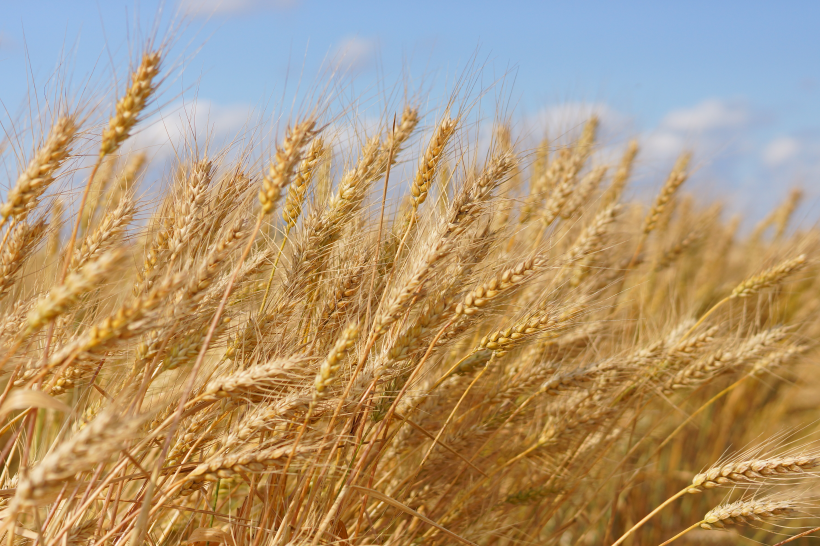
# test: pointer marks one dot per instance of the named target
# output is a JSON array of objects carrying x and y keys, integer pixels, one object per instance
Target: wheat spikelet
[
  {"x": 99, "y": 184},
  {"x": 571, "y": 161},
  {"x": 778, "y": 358},
  {"x": 506, "y": 280},
  {"x": 541, "y": 185},
  {"x": 355, "y": 182},
  {"x": 785, "y": 211},
  {"x": 412, "y": 339},
  {"x": 211, "y": 266},
  {"x": 133, "y": 318},
  {"x": 202, "y": 430},
  {"x": 725, "y": 360},
  {"x": 350, "y": 194},
  {"x": 396, "y": 139},
  {"x": 463, "y": 212},
  {"x": 541, "y": 163},
  {"x": 592, "y": 237},
  {"x": 189, "y": 207},
  {"x": 686, "y": 351},
  {"x": 255, "y": 460},
  {"x": 526, "y": 329},
  {"x": 196, "y": 295},
  {"x": 324, "y": 178},
  {"x": 673, "y": 252}
]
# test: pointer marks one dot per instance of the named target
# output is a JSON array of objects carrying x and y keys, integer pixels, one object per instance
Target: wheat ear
[
  {"x": 676, "y": 177},
  {"x": 740, "y": 512},
  {"x": 131, "y": 105},
  {"x": 621, "y": 176},
  {"x": 63, "y": 296},
  {"x": 24, "y": 239},
  {"x": 53, "y": 245},
  {"x": 673, "y": 182},
  {"x": 753, "y": 470},
  {"x": 39, "y": 174},
  {"x": 429, "y": 163},
  {"x": 294, "y": 201},
  {"x": 770, "y": 277},
  {"x": 128, "y": 110},
  {"x": 281, "y": 168},
  {"x": 330, "y": 367}
]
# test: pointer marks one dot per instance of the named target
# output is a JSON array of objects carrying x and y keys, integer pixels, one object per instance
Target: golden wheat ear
[
  {"x": 131, "y": 105},
  {"x": 40, "y": 172}
]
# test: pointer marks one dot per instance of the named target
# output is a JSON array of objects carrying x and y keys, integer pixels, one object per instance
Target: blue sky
[{"x": 739, "y": 82}]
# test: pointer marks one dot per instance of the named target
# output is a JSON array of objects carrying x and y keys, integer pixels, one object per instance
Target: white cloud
[
  {"x": 563, "y": 124},
  {"x": 663, "y": 144},
  {"x": 201, "y": 122},
  {"x": 709, "y": 115},
  {"x": 7, "y": 41},
  {"x": 709, "y": 127},
  {"x": 565, "y": 121},
  {"x": 781, "y": 150},
  {"x": 795, "y": 159},
  {"x": 206, "y": 8},
  {"x": 355, "y": 53},
  {"x": 730, "y": 157}
]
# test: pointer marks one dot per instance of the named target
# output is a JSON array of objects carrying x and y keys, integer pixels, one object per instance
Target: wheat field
[{"x": 513, "y": 351}]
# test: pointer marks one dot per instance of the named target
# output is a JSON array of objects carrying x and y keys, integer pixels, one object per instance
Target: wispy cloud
[
  {"x": 795, "y": 157},
  {"x": 7, "y": 41},
  {"x": 781, "y": 150},
  {"x": 197, "y": 122},
  {"x": 564, "y": 122},
  {"x": 713, "y": 124},
  {"x": 355, "y": 54},
  {"x": 732, "y": 159},
  {"x": 709, "y": 115},
  {"x": 206, "y": 8}
]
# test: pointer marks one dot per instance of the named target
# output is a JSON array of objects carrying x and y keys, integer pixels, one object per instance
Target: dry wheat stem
[{"x": 674, "y": 538}]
